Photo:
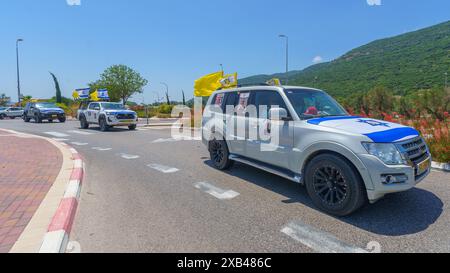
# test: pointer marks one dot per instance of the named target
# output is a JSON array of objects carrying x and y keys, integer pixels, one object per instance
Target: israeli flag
[
  {"x": 103, "y": 94},
  {"x": 84, "y": 93},
  {"x": 377, "y": 130}
]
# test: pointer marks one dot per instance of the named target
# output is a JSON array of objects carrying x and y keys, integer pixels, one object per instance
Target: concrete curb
[
  {"x": 57, "y": 236},
  {"x": 445, "y": 167}
]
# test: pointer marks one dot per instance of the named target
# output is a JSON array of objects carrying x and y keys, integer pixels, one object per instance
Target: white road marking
[
  {"x": 56, "y": 134},
  {"x": 163, "y": 169},
  {"x": 129, "y": 157},
  {"x": 73, "y": 151},
  {"x": 79, "y": 143},
  {"x": 101, "y": 149},
  {"x": 318, "y": 240},
  {"x": 60, "y": 139},
  {"x": 80, "y": 132},
  {"x": 164, "y": 140},
  {"x": 217, "y": 192}
]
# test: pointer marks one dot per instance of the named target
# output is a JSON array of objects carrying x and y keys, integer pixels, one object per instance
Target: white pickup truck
[{"x": 106, "y": 115}]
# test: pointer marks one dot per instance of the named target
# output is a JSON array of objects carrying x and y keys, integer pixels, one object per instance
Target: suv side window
[
  {"x": 269, "y": 99},
  {"x": 93, "y": 106},
  {"x": 231, "y": 100}
]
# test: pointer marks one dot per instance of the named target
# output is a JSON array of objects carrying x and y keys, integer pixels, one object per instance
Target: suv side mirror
[{"x": 278, "y": 114}]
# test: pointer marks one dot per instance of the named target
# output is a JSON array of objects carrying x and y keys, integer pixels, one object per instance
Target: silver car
[
  {"x": 11, "y": 112},
  {"x": 304, "y": 135}
]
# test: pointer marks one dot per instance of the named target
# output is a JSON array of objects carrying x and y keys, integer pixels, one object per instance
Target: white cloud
[
  {"x": 317, "y": 59},
  {"x": 374, "y": 2},
  {"x": 73, "y": 2}
]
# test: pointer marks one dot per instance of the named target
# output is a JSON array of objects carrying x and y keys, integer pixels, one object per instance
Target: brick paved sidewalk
[{"x": 28, "y": 169}]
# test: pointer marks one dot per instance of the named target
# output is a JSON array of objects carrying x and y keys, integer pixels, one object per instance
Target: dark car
[{"x": 40, "y": 111}]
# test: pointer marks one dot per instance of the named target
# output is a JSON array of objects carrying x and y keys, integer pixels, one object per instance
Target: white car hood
[{"x": 378, "y": 131}]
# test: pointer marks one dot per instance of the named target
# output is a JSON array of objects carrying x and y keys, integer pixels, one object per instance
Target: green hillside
[{"x": 403, "y": 64}]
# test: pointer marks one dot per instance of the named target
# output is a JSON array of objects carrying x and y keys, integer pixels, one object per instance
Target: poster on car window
[{"x": 243, "y": 103}]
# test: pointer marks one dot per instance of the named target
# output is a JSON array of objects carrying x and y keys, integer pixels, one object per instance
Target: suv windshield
[
  {"x": 46, "y": 105},
  {"x": 113, "y": 106},
  {"x": 313, "y": 104}
]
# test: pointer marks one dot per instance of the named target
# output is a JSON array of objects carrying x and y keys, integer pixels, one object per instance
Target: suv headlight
[
  {"x": 386, "y": 152},
  {"x": 110, "y": 113}
]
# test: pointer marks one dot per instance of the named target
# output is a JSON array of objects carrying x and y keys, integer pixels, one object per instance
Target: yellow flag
[
  {"x": 206, "y": 85},
  {"x": 229, "y": 80},
  {"x": 94, "y": 96}
]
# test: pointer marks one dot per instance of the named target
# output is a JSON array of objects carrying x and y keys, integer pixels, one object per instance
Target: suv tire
[
  {"x": 26, "y": 119},
  {"x": 62, "y": 120},
  {"x": 219, "y": 154},
  {"x": 334, "y": 185},
  {"x": 2, "y": 116},
  {"x": 103, "y": 125},
  {"x": 37, "y": 119},
  {"x": 132, "y": 127},
  {"x": 83, "y": 123}
]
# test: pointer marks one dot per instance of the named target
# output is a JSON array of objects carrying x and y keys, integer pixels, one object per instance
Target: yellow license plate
[
  {"x": 126, "y": 121},
  {"x": 55, "y": 116},
  {"x": 424, "y": 166}
]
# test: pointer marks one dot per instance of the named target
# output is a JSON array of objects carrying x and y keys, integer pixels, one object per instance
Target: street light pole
[
  {"x": 221, "y": 67},
  {"x": 287, "y": 55},
  {"x": 18, "y": 70}
]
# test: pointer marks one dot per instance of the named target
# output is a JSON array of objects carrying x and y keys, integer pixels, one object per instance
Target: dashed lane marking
[
  {"x": 79, "y": 143},
  {"x": 128, "y": 157},
  {"x": 216, "y": 192},
  {"x": 100, "y": 149},
  {"x": 163, "y": 169},
  {"x": 80, "y": 132},
  {"x": 56, "y": 134},
  {"x": 318, "y": 240},
  {"x": 60, "y": 139}
]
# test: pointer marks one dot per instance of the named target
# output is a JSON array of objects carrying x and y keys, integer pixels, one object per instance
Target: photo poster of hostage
[{"x": 240, "y": 122}]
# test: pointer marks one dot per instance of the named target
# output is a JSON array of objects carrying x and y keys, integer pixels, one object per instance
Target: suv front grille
[
  {"x": 125, "y": 116},
  {"x": 415, "y": 151}
]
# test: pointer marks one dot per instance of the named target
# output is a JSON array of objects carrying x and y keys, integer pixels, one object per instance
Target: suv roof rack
[{"x": 246, "y": 85}]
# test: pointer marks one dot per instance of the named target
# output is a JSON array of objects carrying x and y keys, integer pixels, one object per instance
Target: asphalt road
[{"x": 144, "y": 192}]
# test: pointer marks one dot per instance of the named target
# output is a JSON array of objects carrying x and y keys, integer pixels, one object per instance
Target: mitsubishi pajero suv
[{"x": 304, "y": 135}]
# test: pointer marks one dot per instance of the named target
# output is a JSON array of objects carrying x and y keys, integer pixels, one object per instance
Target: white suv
[
  {"x": 106, "y": 115},
  {"x": 304, "y": 135}
]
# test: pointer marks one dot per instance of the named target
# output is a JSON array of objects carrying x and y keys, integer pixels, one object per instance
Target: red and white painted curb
[{"x": 57, "y": 236}]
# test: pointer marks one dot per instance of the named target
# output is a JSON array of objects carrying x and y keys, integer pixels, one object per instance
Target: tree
[
  {"x": 435, "y": 101},
  {"x": 184, "y": 98},
  {"x": 381, "y": 101},
  {"x": 58, "y": 90},
  {"x": 4, "y": 100},
  {"x": 121, "y": 81}
]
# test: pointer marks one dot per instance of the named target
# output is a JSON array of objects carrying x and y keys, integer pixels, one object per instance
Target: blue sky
[{"x": 177, "y": 41}]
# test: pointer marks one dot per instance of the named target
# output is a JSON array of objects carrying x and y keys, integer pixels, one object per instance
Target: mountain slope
[{"x": 404, "y": 64}]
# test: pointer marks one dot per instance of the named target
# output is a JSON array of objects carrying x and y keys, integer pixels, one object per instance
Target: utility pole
[
  {"x": 287, "y": 56},
  {"x": 18, "y": 69}
]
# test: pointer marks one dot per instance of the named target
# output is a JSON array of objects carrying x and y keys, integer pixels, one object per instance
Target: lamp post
[
  {"x": 221, "y": 67},
  {"x": 167, "y": 91},
  {"x": 18, "y": 70},
  {"x": 287, "y": 55}
]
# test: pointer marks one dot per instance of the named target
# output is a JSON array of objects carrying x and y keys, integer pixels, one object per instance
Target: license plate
[
  {"x": 126, "y": 121},
  {"x": 424, "y": 166},
  {"x": 54, "y": 116}
]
